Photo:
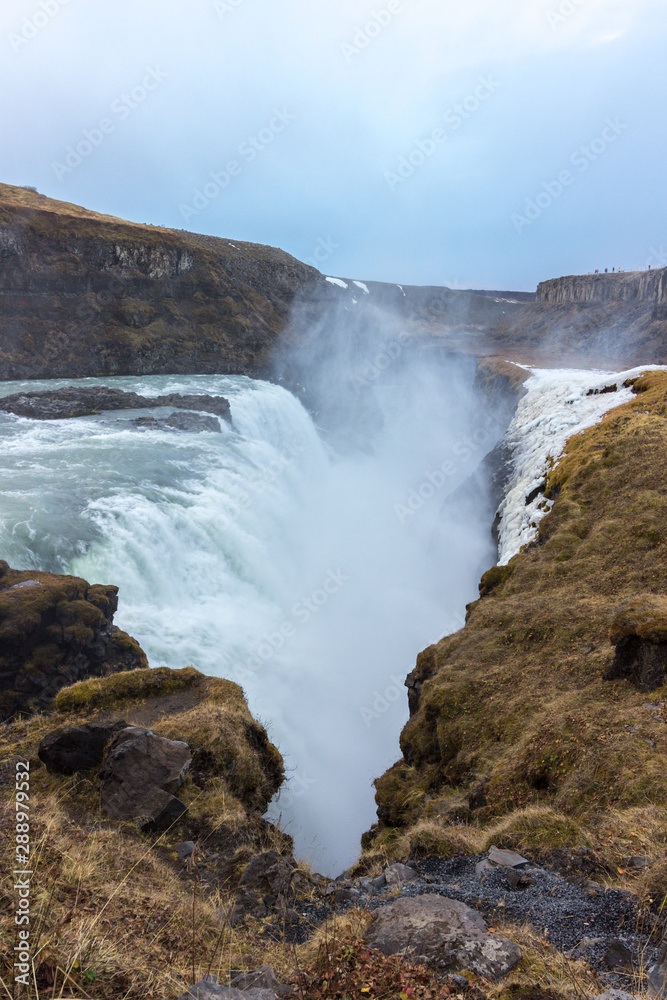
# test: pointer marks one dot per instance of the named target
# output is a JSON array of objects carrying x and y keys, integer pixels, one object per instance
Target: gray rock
[
  {"x": 263, "y": 978},
  {"x": 483, "y": 867},
  {"x": 618, "y": 956},
  {"x": 379, "y": 882},
  {"x": 397, "y": 874},
  {"x": 273, "y": 873},
  {"x": 182, "y": 421},
  {"x": 506, "y": 859},
  {"x": 639, "y": 861},
  {"x": 140, "y": 774},
  {"x": 185, "y": 849},
  {"x": 442, "y": 933},
  {"x": 77, "y": 748},
  {"x": 211, "y": 991},
  {"x": 519, "y": 880},
  {"x": 657, "y": 974},
  {"x": 615, "y": 995}
]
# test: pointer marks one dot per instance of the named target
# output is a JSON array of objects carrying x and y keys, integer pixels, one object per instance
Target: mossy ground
[{"x": 518, "y": 739}]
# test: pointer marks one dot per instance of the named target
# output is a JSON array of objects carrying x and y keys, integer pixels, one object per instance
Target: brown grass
[{"x": 515, "y": 704}]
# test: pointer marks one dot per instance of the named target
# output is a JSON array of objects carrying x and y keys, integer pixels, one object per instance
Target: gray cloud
[{"x": 364, "y": 85}]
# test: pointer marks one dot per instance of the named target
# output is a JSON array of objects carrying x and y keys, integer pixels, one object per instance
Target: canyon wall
[{"x": 84, "y": 294}]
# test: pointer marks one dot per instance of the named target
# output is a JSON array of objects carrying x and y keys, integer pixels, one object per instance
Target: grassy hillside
[{"x": 517, "y": 738}]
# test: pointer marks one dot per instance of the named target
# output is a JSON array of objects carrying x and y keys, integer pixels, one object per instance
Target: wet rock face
[
  {"x": 55, "y": 631},
  {"x": 140, "y": 774},
  {"x": 442, "y": 933},
  {"x": 639, "y": 633},
  {"x": 74, "y": 401}
]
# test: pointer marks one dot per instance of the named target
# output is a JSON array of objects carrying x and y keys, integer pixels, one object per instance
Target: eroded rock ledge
[{"x": 83, "y": 401}]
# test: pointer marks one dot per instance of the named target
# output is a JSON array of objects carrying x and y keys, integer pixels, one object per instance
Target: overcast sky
[{"x": 485, "y": 143}]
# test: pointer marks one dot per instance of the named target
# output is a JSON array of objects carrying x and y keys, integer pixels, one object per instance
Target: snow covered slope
[{"x": 558, "y": 404}]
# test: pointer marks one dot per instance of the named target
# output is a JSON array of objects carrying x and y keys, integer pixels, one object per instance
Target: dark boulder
[
  {"x": 140, "y": 774},
  {"x": 55, "y": 631},
  {"x": 77, "y": 748}
]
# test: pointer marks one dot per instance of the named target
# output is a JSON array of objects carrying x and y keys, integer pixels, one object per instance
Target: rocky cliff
[
  {"x": 594, "y": 320},
  {"x": 83, "y": 294},
  {"x": 55, "y": 630}
]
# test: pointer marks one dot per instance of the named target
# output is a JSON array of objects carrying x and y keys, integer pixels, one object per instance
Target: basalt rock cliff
[
  {"x": 611, "y": 320},
  {"x": 84, "y": 294}
]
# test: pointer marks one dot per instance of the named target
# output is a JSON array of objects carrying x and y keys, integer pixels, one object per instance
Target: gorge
[{"x": 310, "y": 547}]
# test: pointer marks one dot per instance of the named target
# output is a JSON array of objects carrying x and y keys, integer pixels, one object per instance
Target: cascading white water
[{"x": 311, "y": 576}]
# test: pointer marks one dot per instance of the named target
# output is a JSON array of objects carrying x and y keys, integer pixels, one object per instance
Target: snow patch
[
  {"x": 362, "y": 286},
  {"x": 338, "y": 281},
  {"x": 555, "y": 407},
  {"x": 402, "y": 289}
]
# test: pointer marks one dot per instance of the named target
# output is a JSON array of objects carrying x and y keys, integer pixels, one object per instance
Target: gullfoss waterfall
[{"x": 305, "y": 567}]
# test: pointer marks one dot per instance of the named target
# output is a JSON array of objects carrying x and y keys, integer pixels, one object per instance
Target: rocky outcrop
[
  {"x": 85, "y": 294},
  {"x": 646, "y": 287},
  {"x": 75, "y": 401},
  {"x": 54, "y": 631},
  {"x": 140, "y": 774},
  {"x": 594, "y": 320},
  {"x": 443, "y": 933}
]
